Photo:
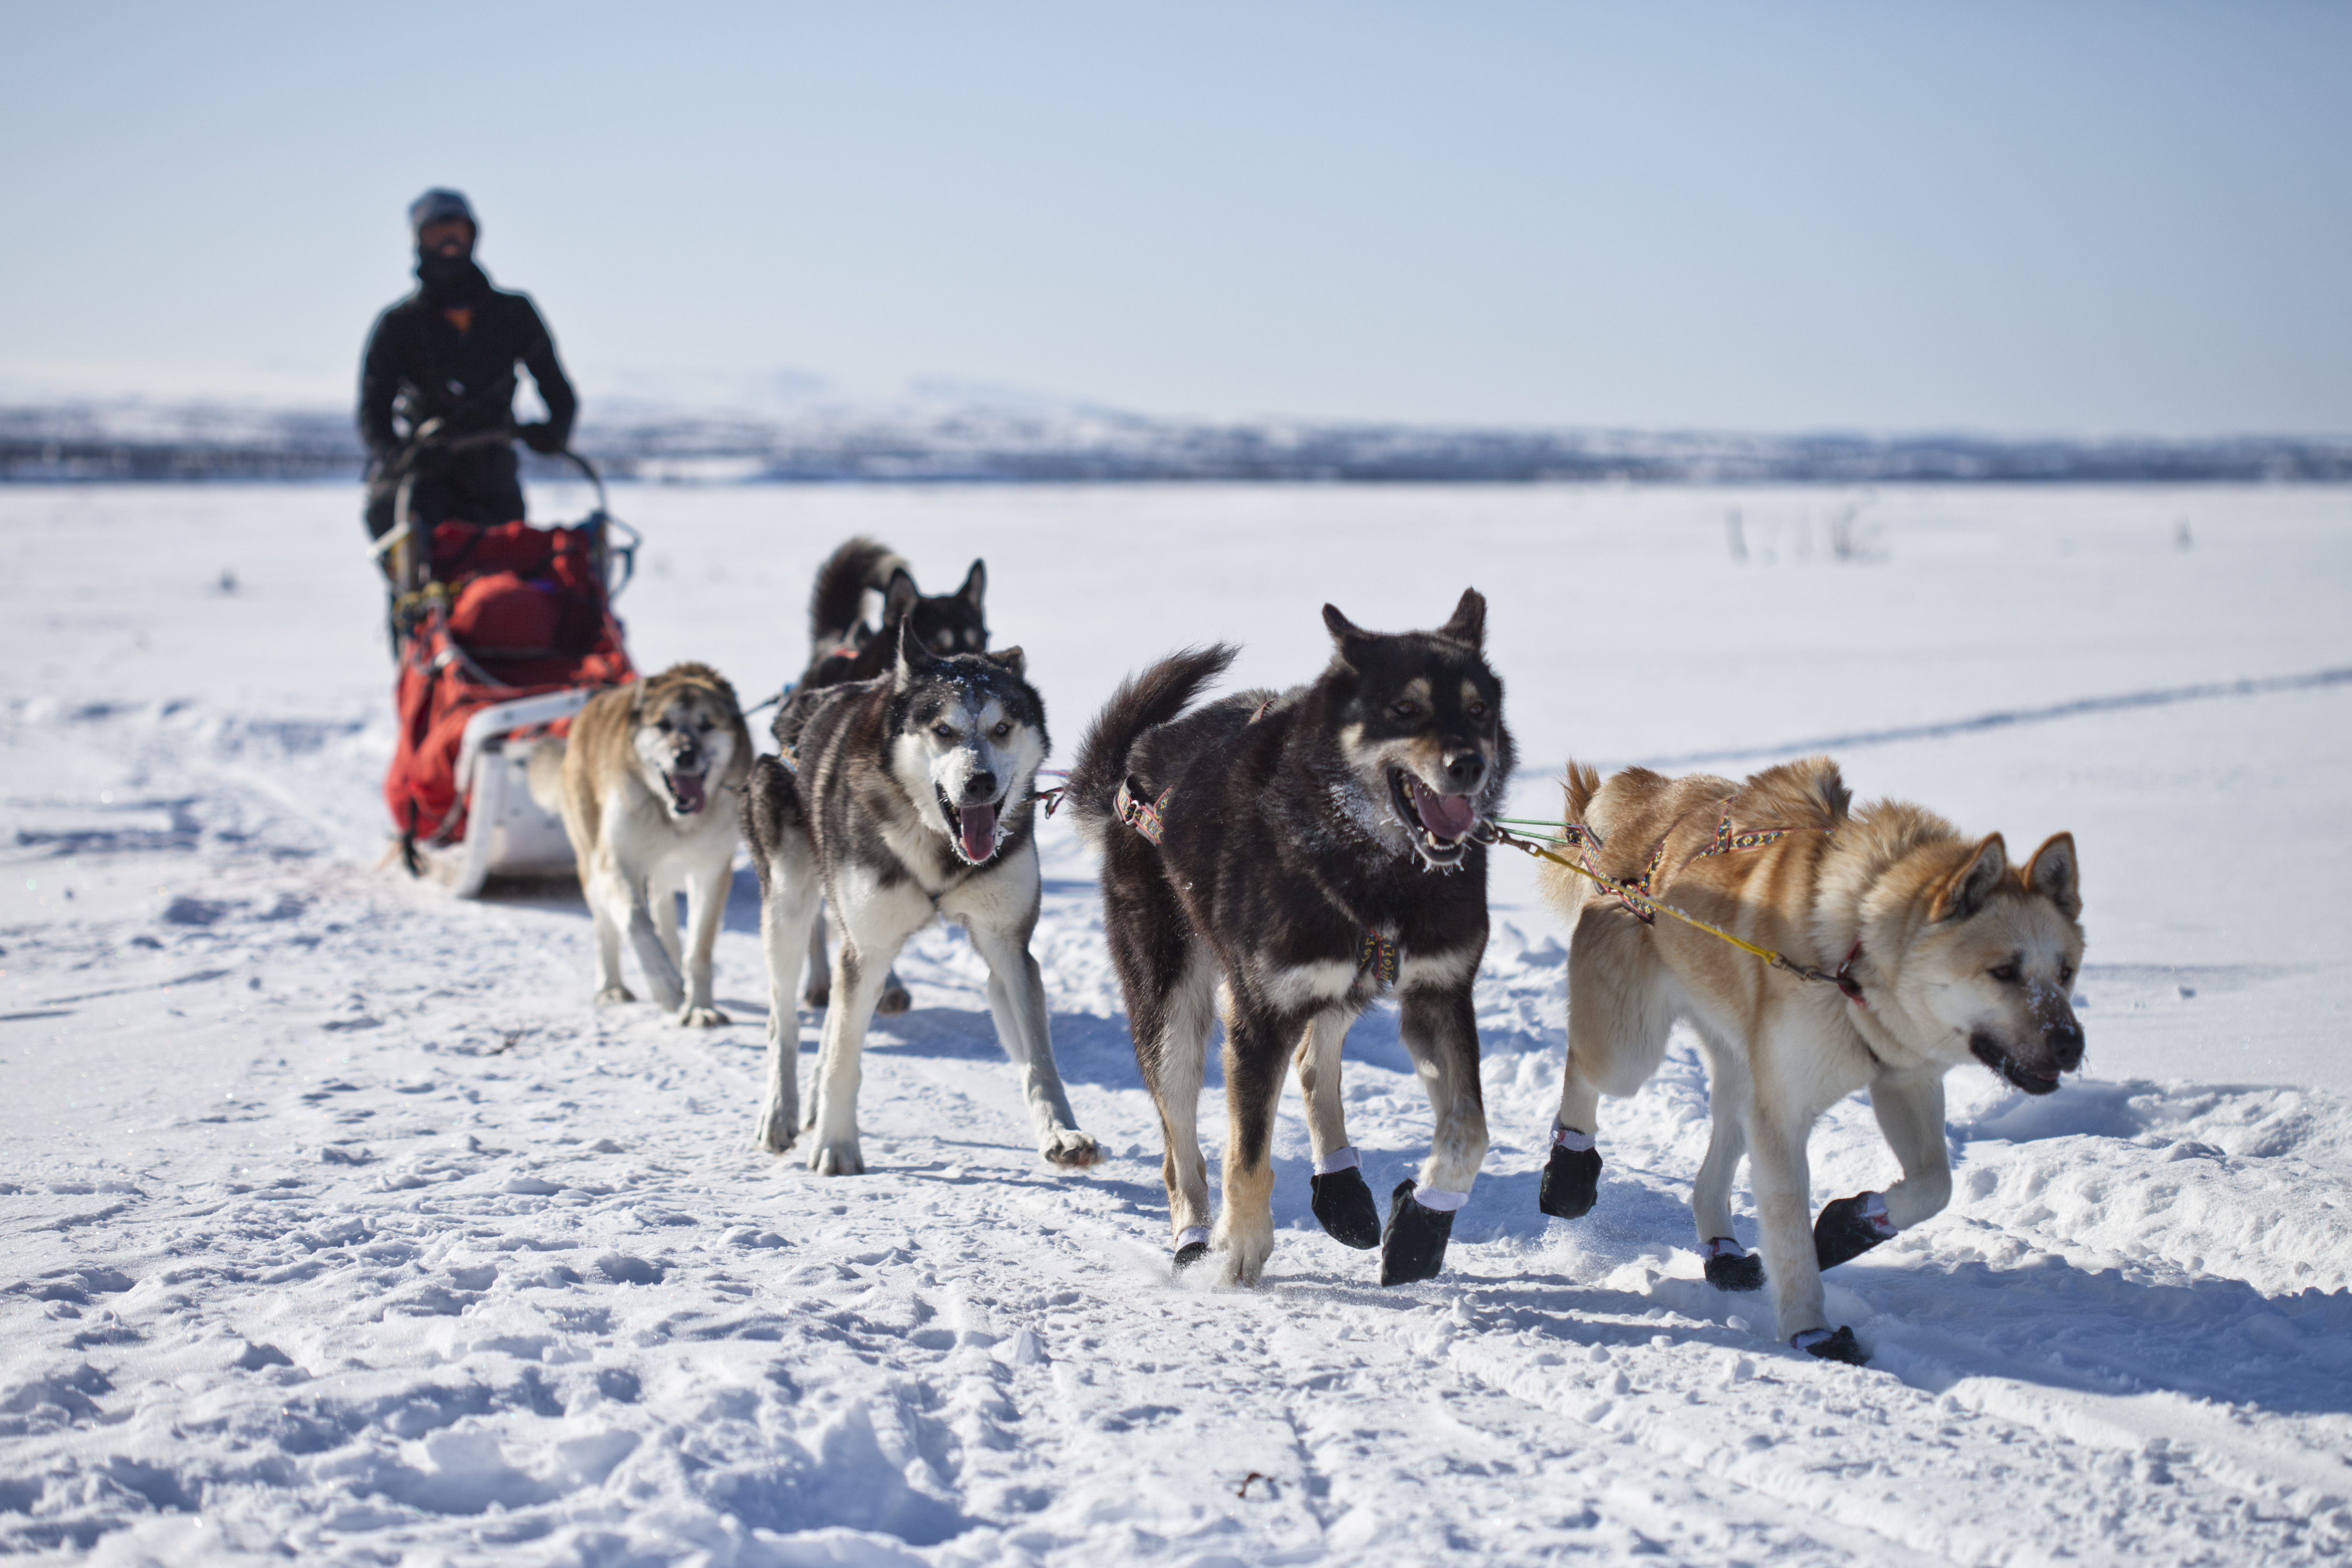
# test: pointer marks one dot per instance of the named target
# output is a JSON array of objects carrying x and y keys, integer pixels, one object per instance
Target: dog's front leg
[
  {"x": 608, "y": 923},
  {"x": 789, "y": 909},
  {"x": 1441, "y": 1030},
  {"x": 1910, "y": 1111},
  {"x": 627, "y": 897},
  {"x": 1343, "y": 1206},
  {"x": 1257, "y": 1059},
  {"x": 1016, "y": 996},
  {"x": 857, "y": 985},
  {"x": 706, "y": 887}
]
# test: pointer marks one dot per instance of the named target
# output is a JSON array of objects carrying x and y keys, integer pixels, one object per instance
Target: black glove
[{"x": 544, "y": 437}]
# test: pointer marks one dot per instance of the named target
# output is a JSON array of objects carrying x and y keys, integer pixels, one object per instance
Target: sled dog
[
  {"x": 639, "y": 784},
  {"x": 911, "y": 795},
  {"x": 1937, "y": 950},
  {"x": 1280, "y": 860},
  {"x": 843, "y": 648}
]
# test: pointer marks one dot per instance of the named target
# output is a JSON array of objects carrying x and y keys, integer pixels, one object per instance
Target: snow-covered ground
[{"x": 339, "y": 1227}]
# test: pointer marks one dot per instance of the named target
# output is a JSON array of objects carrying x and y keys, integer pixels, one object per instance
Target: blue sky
[{"x": 2080, "y": 219}]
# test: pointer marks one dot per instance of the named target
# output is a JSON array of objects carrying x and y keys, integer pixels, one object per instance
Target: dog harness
[{"x": 1147, "y": 817}]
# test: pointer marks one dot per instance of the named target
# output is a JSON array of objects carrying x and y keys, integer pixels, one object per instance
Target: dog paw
[
  {"x": 894, "y": 999},
  {"x": 1571, "y": 1182},
  {"x": 1070, "y": 1149},
  {"x": 1850, "y": 1227},
  {"x": 1343, "y": 1206},
  {"x": 1413, "y": 1247},
  {"x": 774, "y": 1132},
  {"x": 615, "y": 993},
  {"x": 1840, "y": 1346},
  {"x": 837, "y": 1157},
  {"x": 1728, "y": 1268},
  {"x": 703, "y": 1018}
]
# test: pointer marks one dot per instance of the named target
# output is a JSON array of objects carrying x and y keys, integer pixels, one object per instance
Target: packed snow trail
[{"x": 340, "y": 1225}]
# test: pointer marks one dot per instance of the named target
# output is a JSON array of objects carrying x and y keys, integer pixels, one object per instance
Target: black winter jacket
[{"x": 418, "y": 367}]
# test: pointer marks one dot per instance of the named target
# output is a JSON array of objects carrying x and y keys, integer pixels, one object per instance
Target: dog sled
[{"x": 501, "y": 632}]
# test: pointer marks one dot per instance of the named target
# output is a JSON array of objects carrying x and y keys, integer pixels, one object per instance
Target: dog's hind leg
[
  {"x": 1729, "y": 1267},
  {"x": 1440, "y": 1028},
  {"x": 1343, "y": 1206},
  {"x": 789, "y": 907},
  {"x": 820, "y": 967},
  {"x": 1173, "y": 1049},
  {"x": 1618, "y": 1020},
  {"x": 1257, "y": 1058}
]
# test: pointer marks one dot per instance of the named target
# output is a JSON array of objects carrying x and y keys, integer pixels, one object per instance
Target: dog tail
[
  {"x": 1151, "y": 698},
  {"x": 1582, "y": 782},
  {"x": 545, "y": 771},
  {"x": 837, "y": 604}
]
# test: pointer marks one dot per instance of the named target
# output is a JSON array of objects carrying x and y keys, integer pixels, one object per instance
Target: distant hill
[{"x": 942, "y": 438}]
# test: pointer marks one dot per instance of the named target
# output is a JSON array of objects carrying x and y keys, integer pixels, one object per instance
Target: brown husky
[{"x": 1937, "y": 950}]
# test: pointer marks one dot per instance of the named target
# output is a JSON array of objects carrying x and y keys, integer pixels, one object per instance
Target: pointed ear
[
  {"x": 900, "y": 597},
  {"x": 975, "y": 586},
  {"x": 1469, "y": 622},
  {"x": 913, "y": 657},
  {"x": 1011, "y": 658},
  {"x": 1964, "y": 892},
  {"x": 2057, "y": 875},
  {"x": 1345, "y": 634}
]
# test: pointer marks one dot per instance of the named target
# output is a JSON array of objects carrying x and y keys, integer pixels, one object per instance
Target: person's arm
[
  {"x": 554, "y": 389},
  {"x": 379, "y": 386}
]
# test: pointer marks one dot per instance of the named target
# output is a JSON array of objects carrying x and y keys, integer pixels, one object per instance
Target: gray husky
[{"x": 907, "y": 797}]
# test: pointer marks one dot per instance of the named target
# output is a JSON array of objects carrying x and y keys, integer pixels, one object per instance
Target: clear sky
[{"x": 2075, "y": 218}]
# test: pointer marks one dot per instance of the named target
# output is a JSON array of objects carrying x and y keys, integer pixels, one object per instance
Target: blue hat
[{"x": 440, "y": 206}]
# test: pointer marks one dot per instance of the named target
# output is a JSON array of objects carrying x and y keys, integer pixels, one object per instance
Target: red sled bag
[{"x": 511, "y": 634}]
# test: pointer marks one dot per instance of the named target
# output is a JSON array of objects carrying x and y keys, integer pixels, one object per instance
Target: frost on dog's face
[
  {"x": 2000, "y": 957},
  {"x": 683, "y": 741},
  {"x": 967, "y": 738},
  {"x": 1420, "y": 725}
]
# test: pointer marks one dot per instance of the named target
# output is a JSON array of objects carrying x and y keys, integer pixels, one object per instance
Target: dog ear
[
  {"x": 2056, "y": 874},
  {"x": 1345, "y": 634},
  {"x": 913, "y": 657},
  {"x": 975, "y": 586},
  {"x": 900, "y": 597},
  {"x": 1469, "y": 622},
  {"x": 1012, "y": 659},
  {"x": 1964, "y": 892}
]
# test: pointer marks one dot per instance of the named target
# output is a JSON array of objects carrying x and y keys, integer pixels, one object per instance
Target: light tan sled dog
[
  {"x": 640, "y": 785},
  {"x": 1933, "y": 950}
]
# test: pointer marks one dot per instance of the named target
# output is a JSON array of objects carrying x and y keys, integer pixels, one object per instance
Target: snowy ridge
[{"x": 341, "y": 1227}]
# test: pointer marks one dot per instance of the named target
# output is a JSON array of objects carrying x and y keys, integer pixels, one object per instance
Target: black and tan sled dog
[
  {"x": 1283, "y": 858},
  {"x": 1926, "y": 949}
]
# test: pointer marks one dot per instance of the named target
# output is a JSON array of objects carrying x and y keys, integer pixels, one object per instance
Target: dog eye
[
  {"x": 1402, "y": 707},
  {"x": 1003, "y": 730},
  {"x": 1477, "y": 709},
  {"x": 944, "y": 731},
  {"x": 2004, "y": 973},
  {"x": 2066, "y": 972}
]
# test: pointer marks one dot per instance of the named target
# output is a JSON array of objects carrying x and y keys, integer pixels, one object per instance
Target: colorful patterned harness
[{"x": 1726, "y": 842}]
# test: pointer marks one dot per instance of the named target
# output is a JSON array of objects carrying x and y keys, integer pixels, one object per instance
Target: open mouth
[
  {"x": 686, "y": 795},
  {"x": 1441, "y": 822},
  {"x": 2033, "y": 1081},
  {"x": 975, "y": 829}
]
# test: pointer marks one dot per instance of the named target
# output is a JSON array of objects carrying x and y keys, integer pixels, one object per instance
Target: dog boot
[
  {"x": 1839, "y": 1346},
  {"x": 1731, "y": 1267},
  {"x": 1571, "y": 1178},
  {"x": 1414, "y": 1245},
  {"x": 1191, "y": 1247},
  {"x": 1344, "y": 1208},
  {"x": 1850, "y": 1227}
]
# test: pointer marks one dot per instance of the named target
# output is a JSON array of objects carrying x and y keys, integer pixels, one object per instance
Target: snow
[{"x": 339, "y": 1225}]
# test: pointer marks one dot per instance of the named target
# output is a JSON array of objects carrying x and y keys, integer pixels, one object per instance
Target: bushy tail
[
  {"x": 838, "y": 600},
  {"x": 1143, "y": 700}
]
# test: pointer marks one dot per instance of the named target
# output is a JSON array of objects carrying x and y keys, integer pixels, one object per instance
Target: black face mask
[{"x": 451, "y": 279}]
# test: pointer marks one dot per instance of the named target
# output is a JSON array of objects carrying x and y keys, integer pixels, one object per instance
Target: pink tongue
[
  {"x": 1447, "y": 815},
  {"x": 978, "y": 824},
  {"x": 687, "y": 788}
]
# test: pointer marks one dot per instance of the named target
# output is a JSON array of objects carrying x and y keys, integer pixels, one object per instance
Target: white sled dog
[
  {"x": 908, "y": 796},
  {"x": 1932, "y": 949},
  {"x": 639, "y": 783}
]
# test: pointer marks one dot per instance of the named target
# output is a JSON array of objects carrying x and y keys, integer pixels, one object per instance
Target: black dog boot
[
  {"x": 1571, "y": 1178},
  {"x": 1731, "y": 1267},
  {"x": 1344, "y": 1208},
  {"x": 1839, "y": 1346},
  {"x": 1850, "y": 1227},
  {"x": 1414, "y": 1245},
  {"x": 1191, "y": 1247}
]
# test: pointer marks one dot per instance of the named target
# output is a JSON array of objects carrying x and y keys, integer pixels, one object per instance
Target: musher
[{"x": 448, "y": 352}]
